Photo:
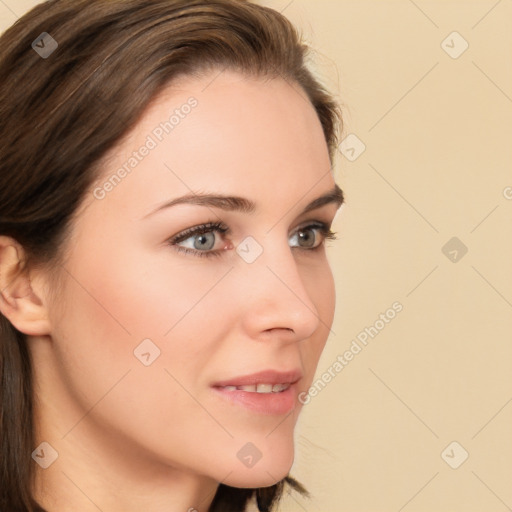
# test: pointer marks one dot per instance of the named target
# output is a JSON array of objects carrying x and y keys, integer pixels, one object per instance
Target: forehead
[{"x": 221, "y": 132}]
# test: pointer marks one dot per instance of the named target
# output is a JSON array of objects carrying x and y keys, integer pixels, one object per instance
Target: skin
[{"x": 132, "y": 437}]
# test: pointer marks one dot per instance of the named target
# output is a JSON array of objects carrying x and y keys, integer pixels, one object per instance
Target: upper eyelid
[
  {"x": 207, "y": 227},
  {"x": 323, "y": 226}
]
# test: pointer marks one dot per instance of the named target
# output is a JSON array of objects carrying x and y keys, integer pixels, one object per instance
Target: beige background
[{"x": 437, "y": 162}]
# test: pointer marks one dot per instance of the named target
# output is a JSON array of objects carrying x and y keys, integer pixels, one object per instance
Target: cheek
[
  {"x": 137, "y": 291},
  {"x": 109, "y": 309},
  {"x": 115, "y": 302}
]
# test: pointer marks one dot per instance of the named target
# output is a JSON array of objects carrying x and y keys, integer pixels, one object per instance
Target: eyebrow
[{"x": 244, "y": 205}]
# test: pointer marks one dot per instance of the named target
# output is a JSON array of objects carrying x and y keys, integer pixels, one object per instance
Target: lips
[
  {"x": 268, "y": 392},
  {"x": 259, "y": 388},
  {"x": 263, "y": 378}
]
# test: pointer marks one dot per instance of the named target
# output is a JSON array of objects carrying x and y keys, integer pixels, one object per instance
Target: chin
[{"x": 263, "y": 473}]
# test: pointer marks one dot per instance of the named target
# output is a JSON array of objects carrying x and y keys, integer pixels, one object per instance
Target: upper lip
[{"x": 263, "y": 377}]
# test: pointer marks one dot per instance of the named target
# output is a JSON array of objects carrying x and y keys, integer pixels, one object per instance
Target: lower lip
[{"x": 263, "y": 403}]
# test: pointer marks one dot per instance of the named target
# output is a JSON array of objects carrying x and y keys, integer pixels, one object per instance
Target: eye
[
  {"x": 312, "y": 236},
  {"x": 200, "y": 240}
]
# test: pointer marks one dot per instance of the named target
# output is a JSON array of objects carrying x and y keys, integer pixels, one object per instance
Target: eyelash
[{"x": 219, "y": 227}]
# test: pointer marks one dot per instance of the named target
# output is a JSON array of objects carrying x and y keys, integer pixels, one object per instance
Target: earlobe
[{"x": 19, "y": 302}]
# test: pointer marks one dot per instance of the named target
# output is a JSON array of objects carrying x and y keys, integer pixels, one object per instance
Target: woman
[{"x": 164, "y": 288}]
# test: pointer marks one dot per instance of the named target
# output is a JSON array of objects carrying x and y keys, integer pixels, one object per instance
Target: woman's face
[{"x": 149, "y": 319}]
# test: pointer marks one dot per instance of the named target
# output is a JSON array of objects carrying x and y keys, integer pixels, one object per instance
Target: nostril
[{"x": 272, "y": 329}]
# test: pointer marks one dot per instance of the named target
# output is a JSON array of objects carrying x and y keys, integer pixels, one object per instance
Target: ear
[{"x": 20, "y": 303}]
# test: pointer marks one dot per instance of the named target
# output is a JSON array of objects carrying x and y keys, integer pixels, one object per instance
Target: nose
[{"x": 274, "y": 296}]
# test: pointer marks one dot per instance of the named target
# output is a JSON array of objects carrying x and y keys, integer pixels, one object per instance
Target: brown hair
[{"x": 61, "y": 113}]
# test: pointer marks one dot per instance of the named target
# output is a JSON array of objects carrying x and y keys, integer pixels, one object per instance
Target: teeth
[
  {"x": 247, "y": 388},
  {"x": 264, "y": 388},
  {"x": 260, "y": 388}
]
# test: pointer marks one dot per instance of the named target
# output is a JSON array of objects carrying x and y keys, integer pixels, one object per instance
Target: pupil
[
  {"x": 307, "y": 238},
  {"x": 203, "y": 243}
]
